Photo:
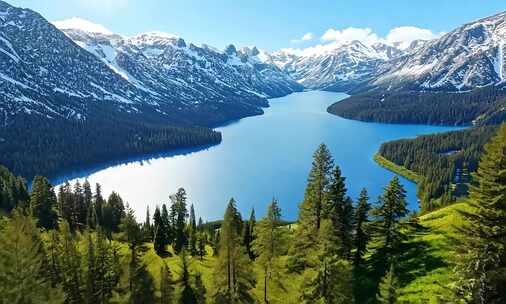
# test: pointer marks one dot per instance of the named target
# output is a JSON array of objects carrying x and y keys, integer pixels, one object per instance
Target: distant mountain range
[{"x": 73, "y": 73}]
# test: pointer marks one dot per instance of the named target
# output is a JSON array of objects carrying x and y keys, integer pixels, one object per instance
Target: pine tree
[
  {"x": 166, "y": 285},
  {"x": 339, "y": 209},
  {"x": 159, "y": 241},
  {"x": 98, "y": 202},
  {"x": 233, "y": 275},
  {"x": 387, "y": 293},
  {"x": 192, "y": 232},
  {"x": 43, "y": 203},
  {"x": 269, "y": 245},
  {"x": 392, "y": 207},
  {"x": 310, "y": 210},
  {"x": 330, "y": 279},
  {"x": 21, "y": 264},
  {"x": 248, "y": 234},
  {"x": 187, "y": 293},
  {"x": 201, "y": 245},
  {"x": 114, "y": 211},
  {"x": 361, "y": 232},
  {"x": 140, "y": 282},
  {"x": 91, "y": 294},
  {"x": 147, "y": 228},
  {"x": 70, "y": 265},
  {"x": 167, "y": 231},
  {"x": 79, "y": 207},
  {"x": 200, "y": 289},
  {"x": 482, "y": 248},
  {"x": 180, "y": 213},
  {"x": 107, "y": 267}
]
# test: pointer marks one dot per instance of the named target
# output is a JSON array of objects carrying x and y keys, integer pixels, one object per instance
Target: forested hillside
[
  {"x": 481, "y": 106},
  {"x": 50, "y": 148},
  {"x": 443, "y": 162},
  {"x": 76, "y": 246}
]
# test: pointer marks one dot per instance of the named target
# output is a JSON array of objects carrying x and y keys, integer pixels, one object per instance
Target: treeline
[
  {"x": 51, "y": 147},
  {"x": 338, "y": 251},
  {"x": 445, "y": 161},
  {"x": 434, "y": 108}
]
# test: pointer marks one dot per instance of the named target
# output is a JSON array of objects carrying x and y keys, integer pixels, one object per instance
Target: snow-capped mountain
[
  {"x": 338, "y": 67},
  {"x": 49, "y": 74},
  {"x": 166, "y": 65},
  {"x": 470, "y": 56}
]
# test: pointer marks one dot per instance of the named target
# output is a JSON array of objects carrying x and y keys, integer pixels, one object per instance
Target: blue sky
[{"x": 269, "y": 24}]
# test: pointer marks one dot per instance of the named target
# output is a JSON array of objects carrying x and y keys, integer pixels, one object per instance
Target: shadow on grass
[{"x": 414, "y": 259}]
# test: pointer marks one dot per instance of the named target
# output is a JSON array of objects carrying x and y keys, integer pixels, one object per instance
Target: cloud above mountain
[
  {"x": 402, "y": 35},
  {"x": 305, "y": 37}
]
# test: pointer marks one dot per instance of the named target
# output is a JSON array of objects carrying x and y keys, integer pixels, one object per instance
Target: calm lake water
[{"x": 260, "y": 158}]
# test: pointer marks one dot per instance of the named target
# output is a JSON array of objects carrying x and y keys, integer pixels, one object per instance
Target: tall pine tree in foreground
[
  {"x": 166, "y": 285},
  {"x": 311, "y": 209},
  {"x": 482, "y": 258},
  {"x": 361, "y": 236},
  {"x": 233, "y": 274},
  {"x": 43, "y": 204},
  {"x": 391, "y": 209},
  {"x": 269, "y": 245},
  {"x": 387, "y": 293},
  {"x": 22, "y": 259}
]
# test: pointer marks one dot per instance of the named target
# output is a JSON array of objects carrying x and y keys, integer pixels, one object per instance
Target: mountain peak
[{"x": 77, "y": 23}]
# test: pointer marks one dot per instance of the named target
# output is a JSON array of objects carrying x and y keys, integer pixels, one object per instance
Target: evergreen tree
[
  {"x": 91, "y": 295},
  {"x": 87, "y": 199},
  {"x": 159, "y": 241},
  {"x": 107, "y": 267},
  {"x": 192, "y": 233},
  {"x": 311, "y": 208},
  {"x": 392, "y": 207},
  {"x": 330, "y": 279},
  {"x": 248, "y": 234},
  {"x": 187, "y": 293},
  {"x": 166, "y": 285},
  {"x": 98, "y": 202},
  {"x": 200, "y": 289},
  {"x": 80, "y": 209},
  {"x": 113, "y": 212},
  {"x": 482, "y": 249},
  {"x": 361, "y": 232},
  {"x": 269, "y": 245},
  {"x": 70, "y": 265},
  {"x": 147, "y": 228},
  {"x": 21, "y": 264},
  {"x": 43, "y": 203},
  {"x": 201, "y": 245},
  {"x": 167, "y": 233},
  {"x": 180, "y": 213},
  {"x": 387, "y": 293},
  {"x": 233, "y": 275},
  {"x": 140, "y": 282},
  {"x": 339, "y": 209}
]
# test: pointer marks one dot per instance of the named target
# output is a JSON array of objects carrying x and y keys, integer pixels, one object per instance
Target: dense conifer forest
[
  {"x": 444, "y": 162},
  {"x": 74, "y": 245},
  {"x": 51, "y": 148},
  {"x": 482, "y": 106}
]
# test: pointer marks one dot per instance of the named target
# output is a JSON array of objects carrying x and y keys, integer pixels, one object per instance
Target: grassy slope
[
  {"x": 408, "y": 174},
  {"x": 425, "y": 263},
  {"x": 429, "y": 266}
]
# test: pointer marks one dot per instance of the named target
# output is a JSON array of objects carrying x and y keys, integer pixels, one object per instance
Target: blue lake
[{"x": 260, "y": 158}]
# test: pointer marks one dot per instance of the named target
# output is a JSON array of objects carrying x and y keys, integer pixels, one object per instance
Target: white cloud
[
  {"x": 364, "y": 35},
  {"x": 305, "y": 37},
  {"x": 402, "y": 35},
  {"x": 81, "y": 24},
  {"x": 407, "y": 34}
]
